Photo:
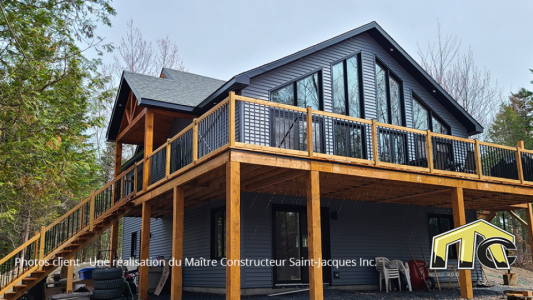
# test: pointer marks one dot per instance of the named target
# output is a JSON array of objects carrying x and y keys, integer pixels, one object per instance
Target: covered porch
[
  {"x": 229, "y": 150},
  {"x": 234, "y": 172}
]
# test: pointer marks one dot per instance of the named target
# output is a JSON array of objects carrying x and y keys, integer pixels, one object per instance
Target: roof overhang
[{"x": 122, "y": 98}]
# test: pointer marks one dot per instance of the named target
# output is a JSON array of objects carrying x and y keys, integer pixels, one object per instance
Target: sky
[{"x": 223, "y": 38}]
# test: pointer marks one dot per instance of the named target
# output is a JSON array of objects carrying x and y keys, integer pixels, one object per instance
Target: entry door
[{"x": 290, "y": 241}]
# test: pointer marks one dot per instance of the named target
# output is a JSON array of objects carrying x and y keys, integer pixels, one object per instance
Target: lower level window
[
  {"x": 439, "y": 224},
  {"x": 218, "y": 233}
]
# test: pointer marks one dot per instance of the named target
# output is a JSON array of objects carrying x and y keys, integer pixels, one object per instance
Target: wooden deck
[{"x": 250, "y": 145}]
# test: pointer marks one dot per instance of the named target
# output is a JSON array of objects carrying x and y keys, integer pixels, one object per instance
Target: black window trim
[
  {"x": 358, "y": 55},
  {"x": 133, "y": 244},
  {"x": 319, "y": 71},
  {"x": 431, "y": 113},
  {"x": 213, "y": 232},
  {"x": 389, "y": 73},
  {"x": 454, "y": 254}
]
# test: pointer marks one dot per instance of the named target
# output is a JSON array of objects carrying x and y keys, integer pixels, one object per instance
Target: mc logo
[{"x": 490, "y": 251}]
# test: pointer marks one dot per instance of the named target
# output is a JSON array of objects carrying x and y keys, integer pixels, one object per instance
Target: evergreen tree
[
  {"x": 49, "y": 90},
  {"x": 514, "y": 122}
]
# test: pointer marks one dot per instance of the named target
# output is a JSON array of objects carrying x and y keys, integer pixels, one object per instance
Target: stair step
[
  {"x": 9, "y": 295},
  {"x": 36, "y": 274},
  {"x": 20, "y": 287},
  {"x": 28, "y": 280}
]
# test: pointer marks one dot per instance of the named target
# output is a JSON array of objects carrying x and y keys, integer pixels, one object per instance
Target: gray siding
[
  {"x": 161, "y": 230},
  {"x": 261, "y": 85},
  {"x": 363, "y": 230}
]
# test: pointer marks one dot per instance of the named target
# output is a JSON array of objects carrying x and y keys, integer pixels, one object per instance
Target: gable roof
[
  {"x": 187, "y": 92},
  {"x": 180, "y": 91},
  {"x": 387, "y": 42}
]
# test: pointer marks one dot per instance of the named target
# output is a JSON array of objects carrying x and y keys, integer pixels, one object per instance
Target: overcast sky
[{"x": 223, "y": 38}]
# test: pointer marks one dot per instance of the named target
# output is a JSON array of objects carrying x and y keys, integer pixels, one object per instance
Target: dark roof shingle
[{"x": 182, "y": 88}]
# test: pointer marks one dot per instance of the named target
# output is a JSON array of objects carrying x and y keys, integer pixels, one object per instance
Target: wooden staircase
[{"x": 19, "y": 285}]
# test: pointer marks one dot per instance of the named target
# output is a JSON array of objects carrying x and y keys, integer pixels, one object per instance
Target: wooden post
[
  {"x": 91, "y": 212},
  {"x": 232, "y": 119},
  {"x": 135, "y": 174},
  {"x": 118, "y": 159},
  {"x": 176, "y": 287},
  {"x": 310, "y": 131},
  {"x": 122, "y": 183},
  {"x": 82, "y": 215},
  {"x": 479, "y": 169},
  {"x": 70, "y": 276},
  {"x": 195, "y": 141},
  {"x": 375, "y": 149},
  {"x": 233, "y": 229},
  {"x": 459, "y": 219},
  {"x": 167, "y": 166},
  {"x": 41, "y": 248},
  {"x": 118, "y": 170},
  {"x": 113, "y": 244},
  {"x": 519, "y": 147},
  {"x": 316, "y": 284},
  {"x": 36, "y": 251},
  {"x": 429, "y": 150},
  {"x": 529, "y": 215},
  {"x": 145, "y": 250},
  {"x": 148, "y": 146}
]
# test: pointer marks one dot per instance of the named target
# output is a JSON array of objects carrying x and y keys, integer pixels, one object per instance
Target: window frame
[
  {"x": 293, "y": 82},
  {"x": 453, "y": 254},
  {"x": 213, "y": 243},
  {"x": 388, "y": 74},
  {"x": 358, "y": 56},
  {"x": 431, "y": 113},
  {"x": 133, "y": 244}
]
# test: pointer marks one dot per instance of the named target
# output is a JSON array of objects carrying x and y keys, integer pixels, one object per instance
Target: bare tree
[
  {"x": 136, "y": 54},
  {"x": 459, "y": 75},
  {"x": 167, "y": 55}
]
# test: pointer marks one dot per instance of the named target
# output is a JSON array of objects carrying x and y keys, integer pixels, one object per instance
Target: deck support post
[
  {"x": 176, "y": 288},
  {"x": 316, "y": 284},
  {"x": 459, "y": 219},
  {"x": 70, "y": 276},
  {"x": 233, "y": 230},
  {"x": 145, "y": 250},
  {"x": 529, "y": 214},
  {"x": 114, "y": 228},
  {"x": 148, "y": 146}
]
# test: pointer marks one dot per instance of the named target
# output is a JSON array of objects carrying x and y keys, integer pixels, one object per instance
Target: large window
[
  {"x": 303, "y": 92},
  {"x": 439, "y": 224},
  {"x": 346, "y": 87},
  {"x": 288, "y": 127},
  {"x": 218, "y": 233},
  {"x": 389, "y": 96},
  {"x": 424, "y": 118}
]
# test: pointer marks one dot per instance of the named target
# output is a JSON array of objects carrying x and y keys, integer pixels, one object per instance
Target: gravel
[
  {"x": 525, "y": 282},
  {"x": 335, "y": 294}
]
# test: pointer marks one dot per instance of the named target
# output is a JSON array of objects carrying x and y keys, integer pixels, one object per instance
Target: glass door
[{"x": 290, "y": 244}]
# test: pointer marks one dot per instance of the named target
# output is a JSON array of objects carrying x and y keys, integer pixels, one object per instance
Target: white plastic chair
[
  {"x": 387, "y": 270},
  {"x": 404, "y": 268}
]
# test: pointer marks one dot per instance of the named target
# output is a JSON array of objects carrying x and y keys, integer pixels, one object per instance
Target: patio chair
[
  {"x": 404, "y": 268},
  {"x": 387, "y": 270}
]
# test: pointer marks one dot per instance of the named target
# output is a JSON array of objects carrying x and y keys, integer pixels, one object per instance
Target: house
[{"x": 345, "y": 151}]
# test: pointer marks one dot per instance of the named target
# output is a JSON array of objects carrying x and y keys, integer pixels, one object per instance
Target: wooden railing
[
  {"x": 258, "y": 125},
  {"x": 285, "y": 129}
]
